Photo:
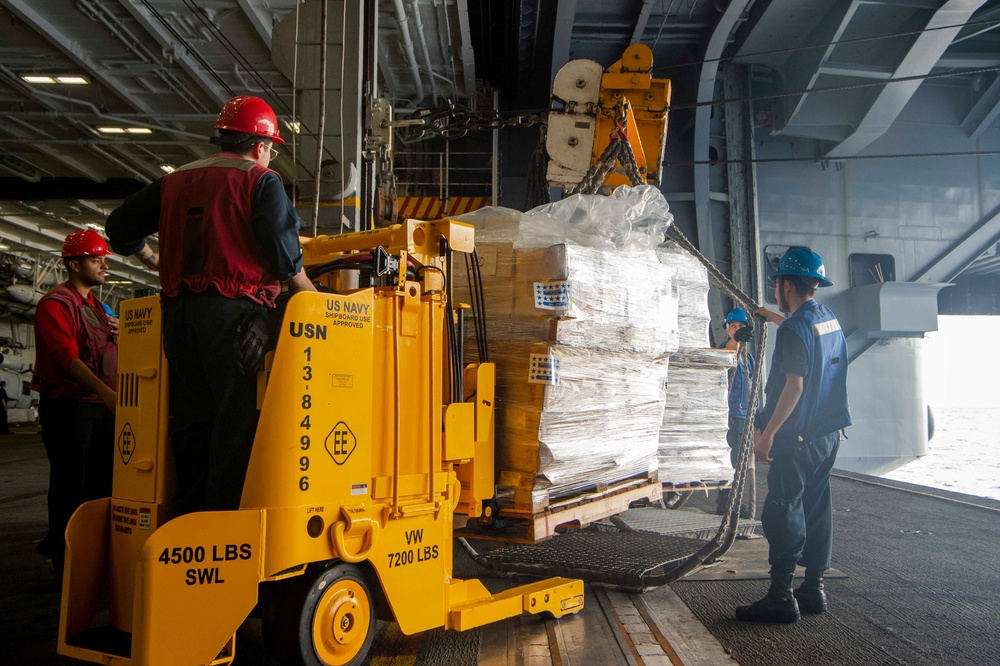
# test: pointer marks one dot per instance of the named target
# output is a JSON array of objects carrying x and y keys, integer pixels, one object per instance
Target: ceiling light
[
  {"x": 95, "y": 227},
  {"x": 111, "y": 130},
  {"x": 65, "y": 79},
  {"x": 138, "y": 130},
  {"x": 4, "y": 246},
  {"x": 293, "y": 126},
  {"x": 168, "y": 168}
]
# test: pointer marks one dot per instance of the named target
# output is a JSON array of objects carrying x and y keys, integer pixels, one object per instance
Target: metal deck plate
[{"x": 628, "y": 559}]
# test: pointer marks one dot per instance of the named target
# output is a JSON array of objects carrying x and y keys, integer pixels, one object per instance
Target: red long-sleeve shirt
[{"x": 56, "y": 346}]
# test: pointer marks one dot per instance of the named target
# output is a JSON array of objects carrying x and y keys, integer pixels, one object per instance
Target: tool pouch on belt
[{"x": 256, "y": 335}]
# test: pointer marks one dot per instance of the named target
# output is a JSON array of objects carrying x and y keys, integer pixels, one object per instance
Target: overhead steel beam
[
  {"x": 703, "y": 119},
  {"x": 562, "y": 36},
  {"x": 804, "y": 68},
  {"x": 51, "y": 241},
  {"x": 983, "y": 112},
  {"x": 468, "y": 53},
  {"x": 181, "y": 52},
  {"x": 41, "y": 146},
  {"x": 262, "y": 28},
  {"x": 968, "y": 60},
  {"x": 40, "y": 24},
  {"x": 856, "y": 71},
  {"x": 962, "y": 253},
  {"x": 641, "y": 21},
  {"x": 923, "y": 55}
]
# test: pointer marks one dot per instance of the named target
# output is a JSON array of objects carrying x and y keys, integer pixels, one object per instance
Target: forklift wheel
[{"x": 322, "y": 618}]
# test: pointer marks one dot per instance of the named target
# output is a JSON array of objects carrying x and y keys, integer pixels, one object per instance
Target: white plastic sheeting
[{"x": 582, "y": 317}]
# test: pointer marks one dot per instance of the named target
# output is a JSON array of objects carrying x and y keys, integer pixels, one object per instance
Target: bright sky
[{"x": 961, "y": 362}]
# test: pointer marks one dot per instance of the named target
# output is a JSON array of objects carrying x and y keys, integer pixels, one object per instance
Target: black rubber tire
[{"x": 295, "y": 608}]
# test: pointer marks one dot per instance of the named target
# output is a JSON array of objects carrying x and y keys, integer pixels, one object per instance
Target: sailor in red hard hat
[
  {"x": 228, "y": 239},
  {"x": 76, "y": 360}
]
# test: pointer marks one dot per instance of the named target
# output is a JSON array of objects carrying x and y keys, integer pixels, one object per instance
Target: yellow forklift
[{"x": 372, "y": 437}]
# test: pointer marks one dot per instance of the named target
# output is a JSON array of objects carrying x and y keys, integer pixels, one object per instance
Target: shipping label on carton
[
  {"x": 543, "y": 369},
  {"x": 552, "y": 295}
]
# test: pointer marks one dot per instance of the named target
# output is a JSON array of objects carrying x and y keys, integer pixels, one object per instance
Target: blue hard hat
[
  {"x": 802, "y": 262},
  {"x": 737, "y": 314}
]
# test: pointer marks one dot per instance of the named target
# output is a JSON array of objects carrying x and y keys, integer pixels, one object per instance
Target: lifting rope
[{"x": 619, "y": 150}]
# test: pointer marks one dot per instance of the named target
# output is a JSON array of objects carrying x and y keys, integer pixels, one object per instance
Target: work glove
[
  {"x": 256, "y": 334},
  {"x": 745, "y": 334}
]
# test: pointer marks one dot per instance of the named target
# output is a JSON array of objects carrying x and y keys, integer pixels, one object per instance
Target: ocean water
[{"x": 964, "y": 455}]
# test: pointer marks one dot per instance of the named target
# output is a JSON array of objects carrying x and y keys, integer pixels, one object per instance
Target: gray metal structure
[{"x": 791, "y": 123}]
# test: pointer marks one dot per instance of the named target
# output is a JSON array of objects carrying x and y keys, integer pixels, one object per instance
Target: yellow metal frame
[
  {"x": 358, "y": 457},
  {"x": 628, "y": 88}
]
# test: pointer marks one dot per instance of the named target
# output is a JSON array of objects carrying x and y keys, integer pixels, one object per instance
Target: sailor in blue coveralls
[
  {"x": 805, "y": 409},
  {"x": 739, "y": 399}
]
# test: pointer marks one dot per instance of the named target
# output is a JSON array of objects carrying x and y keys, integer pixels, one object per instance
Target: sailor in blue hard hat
[
  {"x": 736, "y": 315},
  {"x": 804, "y": 411},
  {"x": 739, "y": 398}
]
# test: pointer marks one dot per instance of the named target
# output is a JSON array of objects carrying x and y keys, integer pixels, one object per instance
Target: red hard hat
[
  {"x": 251, "y": 115},
  {"x": 85, "y": 243}
]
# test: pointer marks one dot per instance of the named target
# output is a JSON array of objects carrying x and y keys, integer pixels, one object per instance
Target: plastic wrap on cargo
[
  {"x": 570, "y": 418},
  {"x": 581, "y": 336},
  {"x": 707, "y": 356},
  {"x": 692, "y": 285},
  {"x": 632, "y": 218},
  {"x": 567, "y": 294},
  {"x": 693, "y": 444}
]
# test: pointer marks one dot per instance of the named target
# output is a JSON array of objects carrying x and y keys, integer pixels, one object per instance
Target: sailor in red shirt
[
  {"x": 228, "y": 238},
  {"x": 76, "y": 361}
]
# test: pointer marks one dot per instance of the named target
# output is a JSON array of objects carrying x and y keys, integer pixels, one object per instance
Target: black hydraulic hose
[
  {"x": 456, "y": 395},
  {"x": 477, "y": 273},
  {"x": 477, "y": 307}
]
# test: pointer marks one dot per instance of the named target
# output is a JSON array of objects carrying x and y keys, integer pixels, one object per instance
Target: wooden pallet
[
  {"x": 577, "y": 511},
  {"x": 695, "y": 485}
]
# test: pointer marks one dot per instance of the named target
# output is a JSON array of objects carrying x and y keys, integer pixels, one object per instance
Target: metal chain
[
  {"x": 619, "y": 150},
  {"x": 452, "y": 123}
]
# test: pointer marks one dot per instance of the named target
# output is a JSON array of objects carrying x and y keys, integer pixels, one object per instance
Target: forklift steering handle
[{"x": 341, "y": 550}]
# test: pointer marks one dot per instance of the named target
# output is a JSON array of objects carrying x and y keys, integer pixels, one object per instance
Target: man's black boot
[
  {"x": 778, "y": 605},
  {"x": 810, "y": 594}
]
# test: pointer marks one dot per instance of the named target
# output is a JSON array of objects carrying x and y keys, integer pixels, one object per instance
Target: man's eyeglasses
[{"x": 274, "y": 153}]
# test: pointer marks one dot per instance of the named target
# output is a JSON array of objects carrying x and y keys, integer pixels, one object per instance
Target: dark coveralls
[
  {"x": 78, "y": 430},
  {"x": 216, "y": 267},
  {"x": 798, "y": 512},
  {"x": 739, "y": 400}
]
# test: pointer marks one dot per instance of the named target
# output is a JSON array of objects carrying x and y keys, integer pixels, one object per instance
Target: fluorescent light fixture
[
  {"x": 168, "y": 168},
  {"x": 124, "y": 130},
  {"x": 4, "y": 246},
  {"x": 95, "y": 227},
  {"x": 65, "y": 79},
  {"x": 293, "y": 126},
  {"x": 118, "y": 282}
]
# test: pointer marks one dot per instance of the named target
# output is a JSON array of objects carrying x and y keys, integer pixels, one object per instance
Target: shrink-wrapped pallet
[
  {"x": 693, "y": 445},
  {"x": 581, "y": 317},
  {"x": 692, "y": 285}
]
